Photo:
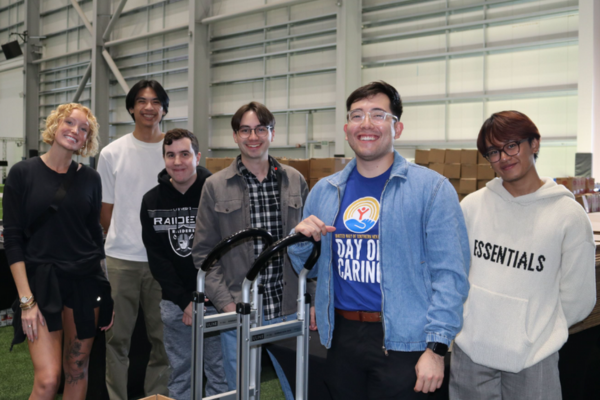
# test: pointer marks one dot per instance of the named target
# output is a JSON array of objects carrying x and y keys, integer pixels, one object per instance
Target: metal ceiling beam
[
  {"x": 348, "y": 66},
  {"x": 31, "y": 88},
  {"x": 115, "y": 70},
  {"x": 145, "y": 36},
  {"x": 100, "y": 71},
  {"x": 113, "y": 20},
  {"x": 82, "y": 16},
  {"x": 198, "y": 81},
  {"x": 86, "y": 76},
  {"x": 254, "y": 10}
]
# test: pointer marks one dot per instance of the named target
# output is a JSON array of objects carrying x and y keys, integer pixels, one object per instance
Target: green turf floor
[{"x": 16, "y": 372}]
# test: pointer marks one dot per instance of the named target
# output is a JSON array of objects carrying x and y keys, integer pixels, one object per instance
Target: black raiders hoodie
[{"x": 168, "y": 222}]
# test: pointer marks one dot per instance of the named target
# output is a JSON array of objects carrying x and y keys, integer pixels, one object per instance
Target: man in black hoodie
[{"x": 168, "y": 217}]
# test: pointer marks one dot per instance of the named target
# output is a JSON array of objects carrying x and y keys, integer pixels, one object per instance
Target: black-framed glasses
[
  {"x": 510, "y": 149},
  {"x": 376, "y": 116},
  {"x": 259, "y": 130}
]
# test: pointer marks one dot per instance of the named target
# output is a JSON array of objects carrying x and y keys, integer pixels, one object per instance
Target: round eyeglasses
[
  {"x": 260, "y": 131},
  {"x": 510, "y": 149},
  {"x": 376, "y": 116}
]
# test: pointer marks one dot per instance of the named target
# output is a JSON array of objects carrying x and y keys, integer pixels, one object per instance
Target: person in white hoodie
[{"x": 532, "y": 272}]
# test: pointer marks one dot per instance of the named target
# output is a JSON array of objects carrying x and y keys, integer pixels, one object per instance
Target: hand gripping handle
[
  {"x": 226, "y": 244},
  {"x": 262, "y": 260}
]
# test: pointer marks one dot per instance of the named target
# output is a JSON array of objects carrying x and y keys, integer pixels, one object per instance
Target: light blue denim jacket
[{"x": 424, "y": 255}]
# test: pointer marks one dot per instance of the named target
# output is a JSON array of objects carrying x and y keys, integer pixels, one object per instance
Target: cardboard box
[
  {"x": 302, "y": 166},
  {"x": 455, "y": 183},
  {"x": 157, "y": 397},
  {"x": 461, "y": 197},
  {"x": 322, "y": 167},
  {"x": 468, "y": 156},
  {"x": 576, "y": 185},
  {"x": 312, "y": 182},
  {"x": 468, "y": 171},
  {"x": 217, "y": 164},
  {"x": 589, "y": 201},
  {"x": 467, "y": 185},
  {"x": 437, "y": 167},
  {"x": 481, "y": 159},
  {"x": 452, "y": 157},
  {"x": 437, "y": 156},
  {"x": 485, "y": 171},
  {"x": 481, "y": 183},
  {"x": 590, "y": 184},
  {"x": 422, "y": 157},
  {"x": 452, "y": 171}
]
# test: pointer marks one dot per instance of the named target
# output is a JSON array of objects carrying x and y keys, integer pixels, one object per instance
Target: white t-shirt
[{"x": 129, "y": 168}]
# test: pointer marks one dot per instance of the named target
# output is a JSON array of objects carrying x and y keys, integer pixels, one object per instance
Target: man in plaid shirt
[{"x": 254, "y": 191}]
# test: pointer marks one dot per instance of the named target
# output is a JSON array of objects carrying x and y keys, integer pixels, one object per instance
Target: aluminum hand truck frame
[
  {"x": 252, "y": 337},
  {"x": 223, "y": 321}
]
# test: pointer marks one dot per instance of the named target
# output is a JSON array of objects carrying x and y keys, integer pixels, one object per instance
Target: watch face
[{"x": 23, "y": 299}]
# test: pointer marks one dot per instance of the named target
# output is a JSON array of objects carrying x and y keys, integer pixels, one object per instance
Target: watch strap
[{"x": 438, "y": 348}]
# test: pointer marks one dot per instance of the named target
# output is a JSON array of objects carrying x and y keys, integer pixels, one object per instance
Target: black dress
[{"x": 62, "y": 258}]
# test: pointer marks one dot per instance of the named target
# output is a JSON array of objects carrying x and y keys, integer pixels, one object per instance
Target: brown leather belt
[{"x": 362, "y": 316}]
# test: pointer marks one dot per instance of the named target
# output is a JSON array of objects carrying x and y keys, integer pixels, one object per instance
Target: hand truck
[
  {"x": 252, "y": 336},
  {"x": 223, "y": 321}
]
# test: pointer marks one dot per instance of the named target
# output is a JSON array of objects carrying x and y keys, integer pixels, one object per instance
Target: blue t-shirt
[{"x": 357, "y": 274}]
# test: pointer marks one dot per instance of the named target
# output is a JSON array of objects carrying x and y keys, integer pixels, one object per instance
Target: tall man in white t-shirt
[{"x": 128, "y": 167}]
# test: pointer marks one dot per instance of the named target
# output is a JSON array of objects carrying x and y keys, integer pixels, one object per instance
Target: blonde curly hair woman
[{"x": 53, "y": 242}]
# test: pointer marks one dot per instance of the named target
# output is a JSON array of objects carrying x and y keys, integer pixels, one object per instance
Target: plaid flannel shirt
[{"x": 265, "y": 213}]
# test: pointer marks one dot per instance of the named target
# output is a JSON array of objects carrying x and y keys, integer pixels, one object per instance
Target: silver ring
[{"x": 29, "y": 326}]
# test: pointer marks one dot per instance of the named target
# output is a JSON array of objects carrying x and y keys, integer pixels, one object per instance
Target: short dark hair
[
  {"x": 179, "y": 133},
  {"x": 373, "y": 88},
  {"x": 505, "y": 126},
  {"x": 265, "y": 117},
  {"x": 143, "y": 84}
]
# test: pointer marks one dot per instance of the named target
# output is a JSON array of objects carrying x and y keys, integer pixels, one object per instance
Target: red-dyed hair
[{"x": 505, "y": 126}]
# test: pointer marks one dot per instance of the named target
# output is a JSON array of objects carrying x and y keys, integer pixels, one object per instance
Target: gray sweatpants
[
  {"x": 471, "y": 381},
  {"x": 178, "y": 344}
]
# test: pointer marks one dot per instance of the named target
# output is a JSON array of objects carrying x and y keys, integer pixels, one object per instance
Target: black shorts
[{"x": 82, "y": 294}]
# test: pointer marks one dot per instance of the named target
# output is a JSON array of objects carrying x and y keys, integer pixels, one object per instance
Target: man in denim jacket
[{"x": 392, "y": 276}]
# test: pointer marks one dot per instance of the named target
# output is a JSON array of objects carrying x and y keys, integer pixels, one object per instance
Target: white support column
[
  {"x": 199, "y": 74},
  {"x": 31, "y": 70},
  {"x": 588, "y": 108},
  {"x": 100, "y": 71},
  {"x": 349, "y": 61}
]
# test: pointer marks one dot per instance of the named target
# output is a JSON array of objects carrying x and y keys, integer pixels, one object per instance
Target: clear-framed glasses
[
  {"x": 376, "y": 116},
  {"x": 260, "y": 130},
  {"x": 510, "y": 149}
]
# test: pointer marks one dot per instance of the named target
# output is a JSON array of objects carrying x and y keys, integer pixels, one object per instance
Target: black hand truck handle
[
  {"x": 262, "y": 260},
  {"x": 224, "y": 245}
]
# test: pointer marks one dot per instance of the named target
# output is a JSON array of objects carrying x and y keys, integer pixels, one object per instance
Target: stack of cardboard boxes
[
  {"x": 216, "y": 164},
  {"x": 313, "y": 170},
  {"x": 583, "y": 189},
  {"x": 467, "y": 170}
]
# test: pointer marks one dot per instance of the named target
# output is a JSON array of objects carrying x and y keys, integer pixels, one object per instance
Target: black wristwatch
[{"x": 438, "y": 348}]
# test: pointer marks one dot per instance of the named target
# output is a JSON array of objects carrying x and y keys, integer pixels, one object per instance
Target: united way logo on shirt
[{"x": 362, "y": 215}]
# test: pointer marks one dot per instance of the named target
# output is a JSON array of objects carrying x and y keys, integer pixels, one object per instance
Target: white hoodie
[{"x": 532, "y": 274}]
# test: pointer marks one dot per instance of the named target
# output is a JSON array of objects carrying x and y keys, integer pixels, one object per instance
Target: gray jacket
[{"x": 224, "y": 210}]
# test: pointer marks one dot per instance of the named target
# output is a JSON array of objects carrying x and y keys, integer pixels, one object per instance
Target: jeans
[
  {"x": 229, "y": 343},
  {"x": 178, "y": 344}
]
